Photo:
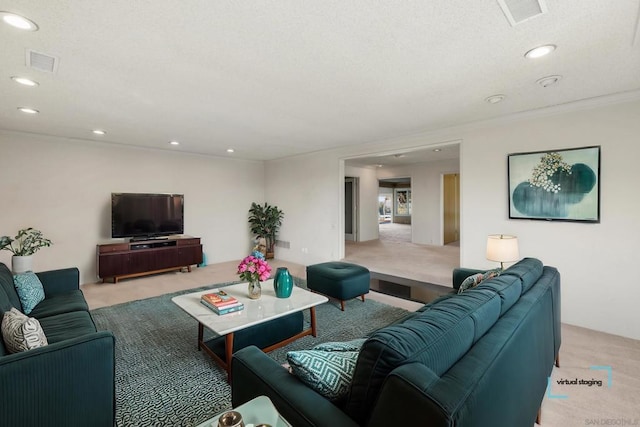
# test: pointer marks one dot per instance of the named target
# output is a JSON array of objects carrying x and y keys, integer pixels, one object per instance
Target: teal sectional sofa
[
  {"x": 70, "y": 381},
  {"x": 479, "y": 358}
]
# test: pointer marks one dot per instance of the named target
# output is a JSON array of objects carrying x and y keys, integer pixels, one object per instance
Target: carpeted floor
[
  {"x": 161, "y": 377},
  {"x": 424, "y": 263},
  {"x": 392, "y": 232}
]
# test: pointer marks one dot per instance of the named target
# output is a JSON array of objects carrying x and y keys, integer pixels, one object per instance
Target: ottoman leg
[
  {"x": 342, "y": 305},
  {"x": 362, "y": 296}
]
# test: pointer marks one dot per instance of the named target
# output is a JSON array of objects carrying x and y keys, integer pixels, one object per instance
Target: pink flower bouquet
[{"x": 254, "y": 269}]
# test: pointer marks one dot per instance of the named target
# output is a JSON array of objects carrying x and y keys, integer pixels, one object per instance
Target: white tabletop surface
[
  {"x": 257, "y": 411},
  {"x": 267, "y": 307}
]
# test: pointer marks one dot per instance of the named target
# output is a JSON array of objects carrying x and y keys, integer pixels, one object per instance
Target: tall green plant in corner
[{"x": 265, "y": 221}]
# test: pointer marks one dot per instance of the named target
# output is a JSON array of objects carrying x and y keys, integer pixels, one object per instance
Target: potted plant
[
  {"x": 265, "y": 221},
  {"x": 23, "y": 246}
]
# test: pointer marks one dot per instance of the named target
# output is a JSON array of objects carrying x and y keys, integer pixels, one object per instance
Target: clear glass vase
[{"x": 255, "y": 290}]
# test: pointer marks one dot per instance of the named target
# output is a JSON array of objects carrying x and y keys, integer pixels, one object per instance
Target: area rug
[{"x": 161, "y": 377}]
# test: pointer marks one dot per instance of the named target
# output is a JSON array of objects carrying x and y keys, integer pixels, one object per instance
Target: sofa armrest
[
  {"x": 459, "y": 274},
  {"x": 59, "y": 281},
  {"x": 71, "y": 382},
  {"x": 404, "y": 398},
  {"x": 255, "y": 374}
]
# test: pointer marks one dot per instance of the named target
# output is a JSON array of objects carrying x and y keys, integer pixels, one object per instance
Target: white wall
[
  {"x": 368, "y": 201},
  {"x": 309, "y": 189},
  {"x": 63, "y": 187},
  {"x": 598, "y": 290},
  {"x": 595, "y": 260}
]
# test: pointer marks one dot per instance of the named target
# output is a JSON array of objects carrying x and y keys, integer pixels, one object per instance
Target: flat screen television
[{"x": 146, "y": 215}]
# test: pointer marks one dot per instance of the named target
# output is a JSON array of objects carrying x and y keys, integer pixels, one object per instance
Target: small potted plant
[
  {"x": 265, "y": 221},
  {"x": 23, "y": 246}
]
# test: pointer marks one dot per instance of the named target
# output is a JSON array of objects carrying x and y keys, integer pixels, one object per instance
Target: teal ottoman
[{"x": 339, "y": 280}]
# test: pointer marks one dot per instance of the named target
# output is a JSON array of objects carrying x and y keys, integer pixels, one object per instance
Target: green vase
[{"x": 283, "y": 283}]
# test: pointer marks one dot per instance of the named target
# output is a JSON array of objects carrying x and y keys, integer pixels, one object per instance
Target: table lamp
[{"x": 502, "y": 248}]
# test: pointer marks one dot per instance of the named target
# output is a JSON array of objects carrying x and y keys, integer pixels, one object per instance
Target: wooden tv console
[{"x": 139, "y": 258}]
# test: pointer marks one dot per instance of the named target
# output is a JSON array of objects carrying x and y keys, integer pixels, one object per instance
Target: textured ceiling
[{"x": 278, "y": 78}]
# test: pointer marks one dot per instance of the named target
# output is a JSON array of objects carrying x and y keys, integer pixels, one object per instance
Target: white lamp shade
[{"x": 502, "y": 248}]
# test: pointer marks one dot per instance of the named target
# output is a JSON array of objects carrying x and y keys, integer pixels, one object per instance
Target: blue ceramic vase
[{"x": 283, "y": 283}]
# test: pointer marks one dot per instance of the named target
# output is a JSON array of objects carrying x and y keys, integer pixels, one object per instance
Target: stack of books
[{"x": 221, "y": 303}]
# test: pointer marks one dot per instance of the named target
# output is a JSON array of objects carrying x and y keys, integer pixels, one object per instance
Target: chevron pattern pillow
[
  {"x": 327, "y": 372},
  {"x": 21, "y": 333}
]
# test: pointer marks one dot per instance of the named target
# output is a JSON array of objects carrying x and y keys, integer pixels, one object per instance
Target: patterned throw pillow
[
  {"x": 475, "y": 279},
  {"x": 21, "y": 333},
  {"x": 29, "y": 289},
  {"x": 327, "y": 372}
]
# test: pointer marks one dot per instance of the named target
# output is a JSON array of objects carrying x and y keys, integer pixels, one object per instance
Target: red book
[{"x": 219, "y": 299}]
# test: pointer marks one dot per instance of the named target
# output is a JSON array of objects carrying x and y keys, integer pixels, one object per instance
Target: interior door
[
  {"x": 451, "y": 208},
  {"x": 350, "y": 208}
]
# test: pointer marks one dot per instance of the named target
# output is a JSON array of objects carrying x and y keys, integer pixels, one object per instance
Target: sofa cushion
[
  {"x": 528, "y": 270},
  {"x": 60, "y": 303},
  {"x": 29, "y": 289},
  {"x": 437, "y": 338},
  {"x": 327, "y": 372},
  {"x": 67, "y": 325},
  {"x": 508, "y": 287},
  {"x": 6, "y": 282},
  {"x": 21, "y": 332}
]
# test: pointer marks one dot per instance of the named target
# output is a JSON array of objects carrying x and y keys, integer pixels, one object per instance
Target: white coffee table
[
  {"x": 268, "y": 307},
  {"x": 256, "y": 411}
]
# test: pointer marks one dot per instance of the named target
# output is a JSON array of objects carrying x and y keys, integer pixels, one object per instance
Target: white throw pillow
[{"x": 21, "y": 333}]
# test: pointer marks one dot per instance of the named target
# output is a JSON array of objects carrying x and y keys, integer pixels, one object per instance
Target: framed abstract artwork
[{"x": 556, "y": 185}]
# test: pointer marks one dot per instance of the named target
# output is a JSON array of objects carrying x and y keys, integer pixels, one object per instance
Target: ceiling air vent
[
  {"x": 519, "y": 11},
  {"x": 41, "y": 61}
]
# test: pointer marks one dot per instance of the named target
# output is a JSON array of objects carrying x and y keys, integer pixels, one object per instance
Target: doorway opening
[
  {"x": 394, "y": 209},
  {"x": 351, "y": 209},
  {"x": 451, "y": 208}
]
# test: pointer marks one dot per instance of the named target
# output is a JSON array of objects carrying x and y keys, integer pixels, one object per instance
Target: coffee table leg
[
  {"x": 313, "y": 322},
  {"x": 200, "y": 335},
  {"x": 228, "y": 350}
]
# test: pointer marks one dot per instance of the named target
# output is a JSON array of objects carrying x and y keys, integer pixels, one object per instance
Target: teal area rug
[{"x": 161, "y": 377}]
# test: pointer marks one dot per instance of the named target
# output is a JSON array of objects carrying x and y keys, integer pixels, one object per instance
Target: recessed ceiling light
[
  {"x": 494, "y": 99},
  {"x": 437, "y": 150},
  {"x": 174, "y": 143},
  {"x": 230, "y": 150},
  {"x": 379, "y": 166},
  {"x": 24, "y": 81},
  {"x": 28, "y": 110},
  {"x": 539, "y": 51},
  {"x": 18, "y": 21},
  {"x": 548, "y": 81},
  {"x": 99, "y": 132}
]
